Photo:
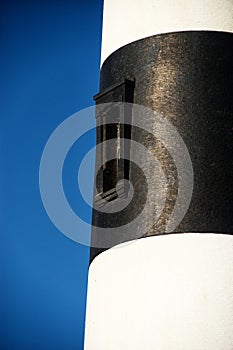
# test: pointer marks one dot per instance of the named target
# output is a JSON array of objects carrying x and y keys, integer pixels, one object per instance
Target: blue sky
[{"x": 50, "y": 56}]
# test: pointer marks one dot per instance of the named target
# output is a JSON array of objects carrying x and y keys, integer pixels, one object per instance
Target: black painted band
[{"x": 187, "y": 77}]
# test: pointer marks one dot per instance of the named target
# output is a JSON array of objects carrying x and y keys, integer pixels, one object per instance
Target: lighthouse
[{"x": 165, "y": 134}]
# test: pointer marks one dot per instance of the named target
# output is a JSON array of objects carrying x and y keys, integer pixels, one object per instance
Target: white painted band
[
  {"x": 130, "y": 20},
  {"x": 165, "y": 292}
]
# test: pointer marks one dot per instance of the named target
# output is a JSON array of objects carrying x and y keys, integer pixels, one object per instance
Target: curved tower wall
[{"x": 170, "y": 290}]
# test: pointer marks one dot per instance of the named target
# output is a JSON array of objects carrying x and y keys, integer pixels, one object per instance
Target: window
[{"x": 112, "y": 125}]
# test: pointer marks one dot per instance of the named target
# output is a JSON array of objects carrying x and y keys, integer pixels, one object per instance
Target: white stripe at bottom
[{"x": 163, "y": 292}]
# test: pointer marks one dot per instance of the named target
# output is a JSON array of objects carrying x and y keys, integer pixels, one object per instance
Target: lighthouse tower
[{"x": 169, "y": 63}]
